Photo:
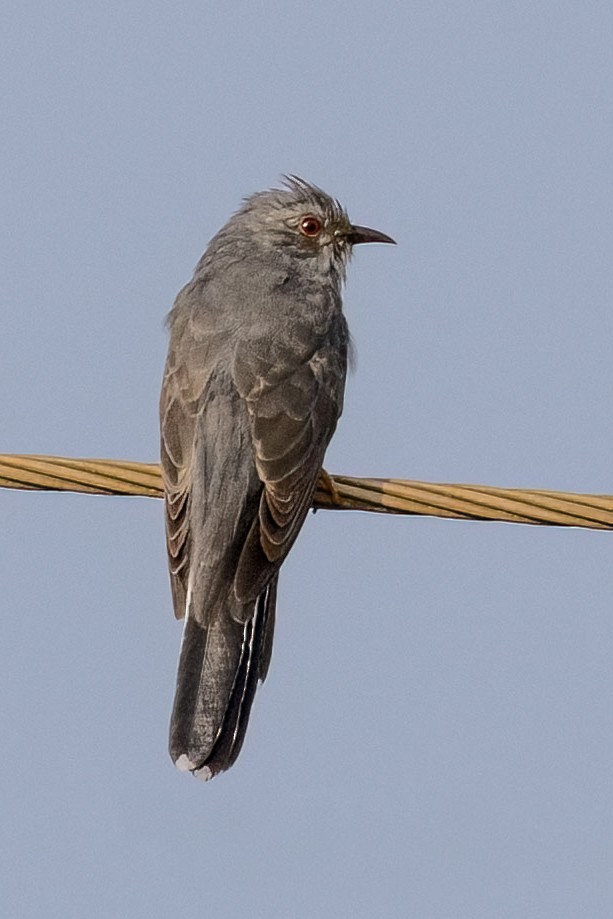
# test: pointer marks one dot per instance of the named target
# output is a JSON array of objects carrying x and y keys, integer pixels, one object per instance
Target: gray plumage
[{"x": 253, "y": 389}]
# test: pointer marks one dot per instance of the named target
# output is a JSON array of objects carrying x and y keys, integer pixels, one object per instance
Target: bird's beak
[{"x": 366, "y": 235}]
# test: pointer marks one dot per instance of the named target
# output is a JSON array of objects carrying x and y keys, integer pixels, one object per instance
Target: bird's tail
[{"x": 219, "y": 669}]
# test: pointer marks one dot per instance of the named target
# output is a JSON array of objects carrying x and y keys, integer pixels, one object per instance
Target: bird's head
[{"x": 300, "y": 221}]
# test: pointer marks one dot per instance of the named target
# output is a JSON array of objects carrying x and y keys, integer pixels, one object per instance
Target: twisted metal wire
[{"x": 339, "y": 492}]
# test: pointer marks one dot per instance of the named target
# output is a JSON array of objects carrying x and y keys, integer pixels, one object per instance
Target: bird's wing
[
  {"x": 293, "y": 415},
  {"x": 208, "y": 478}
]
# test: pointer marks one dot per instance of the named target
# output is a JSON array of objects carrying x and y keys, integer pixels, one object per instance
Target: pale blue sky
[{"x": 435, "y": 738}]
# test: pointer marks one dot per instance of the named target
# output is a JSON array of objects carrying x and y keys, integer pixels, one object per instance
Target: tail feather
[{"x": 216, "y": 684}]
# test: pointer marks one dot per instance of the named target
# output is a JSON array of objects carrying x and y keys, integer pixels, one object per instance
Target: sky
[{"x": 435, "y": 737}]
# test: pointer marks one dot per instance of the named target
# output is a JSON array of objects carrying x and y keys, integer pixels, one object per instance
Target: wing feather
[{"x": 177, "y": 436}]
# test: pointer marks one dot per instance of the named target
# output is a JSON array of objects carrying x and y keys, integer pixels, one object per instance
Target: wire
[{"x": 339, "y": 492}]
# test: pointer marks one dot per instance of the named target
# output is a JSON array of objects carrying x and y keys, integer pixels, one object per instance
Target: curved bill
[{"x": 366, "y": 235}]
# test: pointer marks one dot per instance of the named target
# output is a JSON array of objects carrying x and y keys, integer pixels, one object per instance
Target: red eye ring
[{"x": 311, "y": 226}]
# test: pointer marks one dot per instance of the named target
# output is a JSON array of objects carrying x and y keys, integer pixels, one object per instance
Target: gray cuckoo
[{"x": 253, "y": 389}]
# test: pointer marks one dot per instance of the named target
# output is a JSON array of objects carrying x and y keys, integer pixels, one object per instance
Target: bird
[{"x": 252, "y": 390}]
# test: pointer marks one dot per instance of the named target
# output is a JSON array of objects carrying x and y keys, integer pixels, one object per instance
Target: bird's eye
[{"x": 311, "y": 226}]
